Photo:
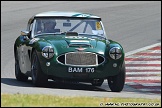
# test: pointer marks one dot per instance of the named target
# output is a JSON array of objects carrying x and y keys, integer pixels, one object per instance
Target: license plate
[{"x": 81, "y": 70}]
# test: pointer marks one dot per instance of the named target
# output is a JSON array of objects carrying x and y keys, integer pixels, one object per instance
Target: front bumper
[{"x": 58, "y": 70}]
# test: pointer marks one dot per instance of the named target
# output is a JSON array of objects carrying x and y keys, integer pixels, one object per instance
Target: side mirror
[{"x": 25, "y": 33}]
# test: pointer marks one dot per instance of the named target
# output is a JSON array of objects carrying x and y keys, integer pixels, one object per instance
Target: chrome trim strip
[
  {"x": 78, "y": 44},
  {"x": 33, "y": 28},
  {"x": 65, "y": 58},
  {"x": 58, "y": 60},
  {"x": 96, "y": 60},
  {"x": 103, "y": 58}
]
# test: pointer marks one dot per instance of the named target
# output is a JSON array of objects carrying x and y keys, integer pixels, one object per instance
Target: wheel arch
[{"x": 15, "y": 49}]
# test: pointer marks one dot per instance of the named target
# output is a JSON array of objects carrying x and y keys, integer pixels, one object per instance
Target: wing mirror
[{"x": 25, "y": 33}]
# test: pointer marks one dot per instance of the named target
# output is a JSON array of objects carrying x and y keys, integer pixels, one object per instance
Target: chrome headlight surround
[
  {"x": 115, "y": 53},
  {"x": 48, "y": 52}
]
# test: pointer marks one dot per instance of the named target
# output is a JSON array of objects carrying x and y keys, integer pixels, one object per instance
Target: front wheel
[
  {"x": 38, "y": 77},
  {"x": 116, "y": 83}
]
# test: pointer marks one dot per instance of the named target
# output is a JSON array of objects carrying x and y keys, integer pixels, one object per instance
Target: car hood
[{"x": 63, "y": 44}]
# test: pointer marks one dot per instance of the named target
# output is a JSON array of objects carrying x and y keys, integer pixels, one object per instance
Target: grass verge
[{"x": 28, "y": 100}]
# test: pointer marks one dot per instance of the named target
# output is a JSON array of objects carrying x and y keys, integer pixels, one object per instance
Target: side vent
[{"x": 71, "y": 34}]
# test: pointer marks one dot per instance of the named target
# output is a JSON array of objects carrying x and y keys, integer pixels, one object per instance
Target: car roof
[{"x": 65, "y": 14}]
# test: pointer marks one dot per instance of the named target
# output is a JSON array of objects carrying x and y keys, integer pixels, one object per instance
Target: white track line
[
  {"x": 151, "y": 51},
  {"x": 143, "y": 73},
  {"x": 149, "y": 90},
  {"x": 144, "y": 84},
  {"x": 143, "y": 62},
  {"x": 144, "y": 78},
  {"x": 141, "y": 49},
  {"x": 145, "y": 68},
  {"x": 142, "y": 56}
]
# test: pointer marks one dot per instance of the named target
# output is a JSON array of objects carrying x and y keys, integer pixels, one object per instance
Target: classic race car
[{"x": 69, "y": 46}]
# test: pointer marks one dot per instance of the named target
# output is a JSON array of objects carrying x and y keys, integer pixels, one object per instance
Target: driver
[{"x": 49, "y": 26}]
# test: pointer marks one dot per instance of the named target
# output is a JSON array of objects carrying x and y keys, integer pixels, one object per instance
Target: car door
[
  {"x": 21, "y": 51},
  {"x": 25, "y": 52}
]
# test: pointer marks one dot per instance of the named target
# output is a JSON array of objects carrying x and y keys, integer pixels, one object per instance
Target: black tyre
[
  {"x": 19, "y": 75},
  {"x": 97, "y": 83},
  {"x": 38, "y": 77},
  {"x": 116, "y": 83}
]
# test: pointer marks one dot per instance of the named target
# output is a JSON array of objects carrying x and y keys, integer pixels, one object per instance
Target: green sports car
[{"x": 68, "y": 46}]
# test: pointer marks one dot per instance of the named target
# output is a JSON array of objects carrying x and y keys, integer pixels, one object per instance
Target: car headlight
[
  {"x": 115, "y": 53},
  {"x": 48, "y": 52}
]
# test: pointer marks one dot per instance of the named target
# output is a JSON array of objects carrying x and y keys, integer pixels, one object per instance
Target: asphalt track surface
[{"x": 134, "y": 24}]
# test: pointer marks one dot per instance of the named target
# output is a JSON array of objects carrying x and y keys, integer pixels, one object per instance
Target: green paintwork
[{"x": 60, "y": 43}]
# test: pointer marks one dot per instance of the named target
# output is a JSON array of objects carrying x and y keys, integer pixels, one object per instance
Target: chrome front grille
[{"x": 81, "y": 59}]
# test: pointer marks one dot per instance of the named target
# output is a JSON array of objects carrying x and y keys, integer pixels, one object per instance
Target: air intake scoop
[
  {"x": 78, "y": 43},
  {"x": 71, "y": 34},
  {"x": 73, "y": 40}
]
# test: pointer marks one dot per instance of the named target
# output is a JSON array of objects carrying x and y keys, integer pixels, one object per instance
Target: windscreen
[{"x": 81, "y": 26}]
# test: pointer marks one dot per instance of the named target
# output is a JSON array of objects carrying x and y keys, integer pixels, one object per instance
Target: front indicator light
[
  {"x": 48, "y": 64},
  {"x": 114, "y": 64}
]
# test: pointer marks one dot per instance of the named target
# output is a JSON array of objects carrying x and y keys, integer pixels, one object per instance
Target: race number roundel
[{"x": 98, "y": 26}]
